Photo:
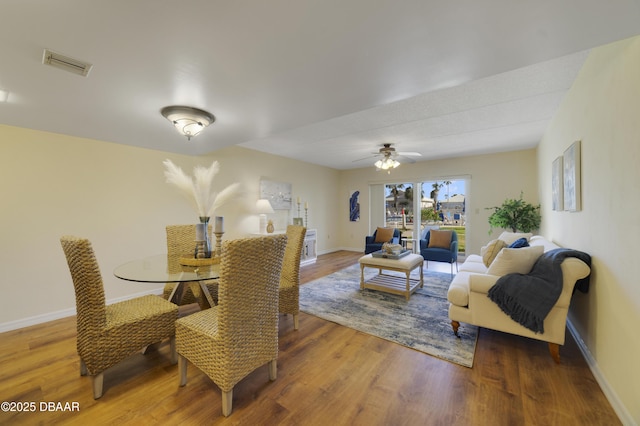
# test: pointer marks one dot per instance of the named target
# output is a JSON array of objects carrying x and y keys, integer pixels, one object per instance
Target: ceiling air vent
[{"x": 66, "y": 63}]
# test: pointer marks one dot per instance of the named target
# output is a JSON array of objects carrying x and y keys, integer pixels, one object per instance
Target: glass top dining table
[{"x": 156, "y": 269}]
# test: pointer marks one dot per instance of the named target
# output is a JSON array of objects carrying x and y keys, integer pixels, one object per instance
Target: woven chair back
[
  {"x": 291, "y": 263},
  {"x": 88, "y": 286},
  {"x": 181, "y": 241},
  {"x": 248, "y": 296}
]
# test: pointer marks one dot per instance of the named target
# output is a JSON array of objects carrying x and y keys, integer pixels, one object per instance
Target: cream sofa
[{"x": 469, "y": 302}]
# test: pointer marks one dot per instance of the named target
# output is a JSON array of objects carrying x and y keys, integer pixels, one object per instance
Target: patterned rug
[{"x": 422, "y": 323}]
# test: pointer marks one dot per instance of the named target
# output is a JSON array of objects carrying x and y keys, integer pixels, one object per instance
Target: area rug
[{"x": 421, "y": 323}]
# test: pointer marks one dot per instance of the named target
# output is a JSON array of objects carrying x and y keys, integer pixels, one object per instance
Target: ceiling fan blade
[
  {"x": 365, "y": 158},
  {"x": 403, "y": 159},
  {"x": 410, "y": 154}
]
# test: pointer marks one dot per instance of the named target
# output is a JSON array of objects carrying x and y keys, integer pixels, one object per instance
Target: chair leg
[
  {"x": 554, "y": 349},
  {"x": 273, "y": 369},
  {"x": 174, "y": 353},
  {"x": 83, "y": 368},
  {"x": 296, "y": 323},
  {"x": 98, "y": 381},
  {"x": 227, "y": 400},
  {"x": 182, "y": 367}
]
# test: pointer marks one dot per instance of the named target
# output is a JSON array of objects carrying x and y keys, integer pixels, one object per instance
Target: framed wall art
[
  {"x": 571, "y": 178},
  {"x": 354, "y": 206},
  {"x": 278, "y": 194},
  {"x": 557, "y": 185}
]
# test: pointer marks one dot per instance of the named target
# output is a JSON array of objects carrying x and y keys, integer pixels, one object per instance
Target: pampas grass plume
[{"x": 199, "y": 189}]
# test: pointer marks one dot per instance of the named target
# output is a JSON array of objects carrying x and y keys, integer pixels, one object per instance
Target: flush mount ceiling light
[{"x": 188, "y": 121}]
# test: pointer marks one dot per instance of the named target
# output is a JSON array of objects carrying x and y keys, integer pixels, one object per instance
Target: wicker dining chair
[
  {"x": 107, "y": 334},
  {"x": 290, "y": 277},
  {"x": 240, "y": 334},
  {"x": 180, "y": 242}
]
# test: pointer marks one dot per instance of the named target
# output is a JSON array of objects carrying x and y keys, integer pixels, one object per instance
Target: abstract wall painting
[
  {"x": 278, "y": 193},
  {"x": 354, "y": 206},
  {"x": 571, "y": 177},
  {"x": 557, "y": 185}
]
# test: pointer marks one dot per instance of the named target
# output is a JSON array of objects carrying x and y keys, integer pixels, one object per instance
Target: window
[
  {"x": 399, "y": 205},
  {"x": 410, "y": 206},
  {"x": 443, "y": 201}
]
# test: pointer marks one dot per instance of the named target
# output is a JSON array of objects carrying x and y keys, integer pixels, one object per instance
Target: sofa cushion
[
  {"x": 440, "y": 239},
  {"x": 537, "y": 240},
  {"x": 384, "y": 235},
  {"x": 473, "y": 263},
  {"x": 510, "y": 237},
  {"x": 491, "y": 250},
  {"x": 511, "y": 260}
]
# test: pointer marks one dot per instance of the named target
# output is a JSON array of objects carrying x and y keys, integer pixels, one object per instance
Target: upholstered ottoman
[{"x": 392, "y": 283}]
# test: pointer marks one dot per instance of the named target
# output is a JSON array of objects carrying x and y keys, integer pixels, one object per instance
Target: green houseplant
[{"x": 516, "y": 215}]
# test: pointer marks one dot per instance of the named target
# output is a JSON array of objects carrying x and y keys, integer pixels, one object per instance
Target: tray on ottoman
[{"x": 383, "y": 254}]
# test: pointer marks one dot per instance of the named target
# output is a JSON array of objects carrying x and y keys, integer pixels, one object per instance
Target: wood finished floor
[{"x": 327, "y": 374}]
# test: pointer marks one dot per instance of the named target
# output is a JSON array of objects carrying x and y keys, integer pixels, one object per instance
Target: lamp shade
[{"x": 264, "y": 206}]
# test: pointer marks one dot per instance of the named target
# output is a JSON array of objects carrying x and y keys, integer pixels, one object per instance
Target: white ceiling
[{"x": 323, "y": 81}]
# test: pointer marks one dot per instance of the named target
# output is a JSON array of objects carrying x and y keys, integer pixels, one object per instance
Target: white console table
[{"x": 309, "y": 254}]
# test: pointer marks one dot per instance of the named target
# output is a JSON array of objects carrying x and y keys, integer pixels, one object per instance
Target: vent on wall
[{"x": 66, "y": 63}]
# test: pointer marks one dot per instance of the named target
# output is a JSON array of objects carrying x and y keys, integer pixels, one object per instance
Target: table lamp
[{"x": 264, "y": 208}]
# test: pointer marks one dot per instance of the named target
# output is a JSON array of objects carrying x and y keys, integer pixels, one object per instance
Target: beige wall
[
  {"x": 117, "y": 197},
  {"x": 492, "y": 178},
  {"x": 603, "y": 111}
]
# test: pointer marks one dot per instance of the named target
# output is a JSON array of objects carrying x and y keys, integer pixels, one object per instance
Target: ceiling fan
[
  {"x": 388, "y": 151},
  {"x": 389, "y": 157}
]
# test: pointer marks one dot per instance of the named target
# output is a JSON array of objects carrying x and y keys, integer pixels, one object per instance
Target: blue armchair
[
  {"x": 370, "y": 244},
  {"x": 441, "y": 251}
]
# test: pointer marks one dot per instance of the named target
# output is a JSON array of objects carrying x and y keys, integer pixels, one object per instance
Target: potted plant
[{"x": 516, "y": 215}]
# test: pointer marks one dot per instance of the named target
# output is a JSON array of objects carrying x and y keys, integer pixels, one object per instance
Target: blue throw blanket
[{"x": 528, "y": 298}]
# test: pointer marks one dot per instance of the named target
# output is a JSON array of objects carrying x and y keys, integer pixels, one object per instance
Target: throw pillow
[
  {"x": 510, "y": 260},
  {"x": 440, "y": 239},
  {"x": 384, "y": 235},
  {"x": 519, "y": 243},
  {"x": 491, "y": 250},
  {"x": 510, "y": 237}
]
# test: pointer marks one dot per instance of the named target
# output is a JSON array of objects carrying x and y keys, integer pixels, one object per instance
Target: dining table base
[{"x": 199, "y": 290}]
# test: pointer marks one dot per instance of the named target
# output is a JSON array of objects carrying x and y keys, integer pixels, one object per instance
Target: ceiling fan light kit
[
  {"x": 187, "y": 120},
  {"x": 388, "y": 161}
]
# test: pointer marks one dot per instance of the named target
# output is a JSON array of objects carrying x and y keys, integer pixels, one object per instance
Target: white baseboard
[
  {"x": 52, "y": 316},
  {"x": 623, "y": 414},
  {"x": 360, "y": 249}
]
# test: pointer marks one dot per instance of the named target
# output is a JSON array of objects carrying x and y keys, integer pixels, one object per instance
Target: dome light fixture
[{"x": 188, "y": 121}]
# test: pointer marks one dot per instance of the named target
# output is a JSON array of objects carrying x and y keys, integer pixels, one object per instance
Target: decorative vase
[
  {"x": 270, "y": 227},
  {"x": 203, "y": 239}
]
